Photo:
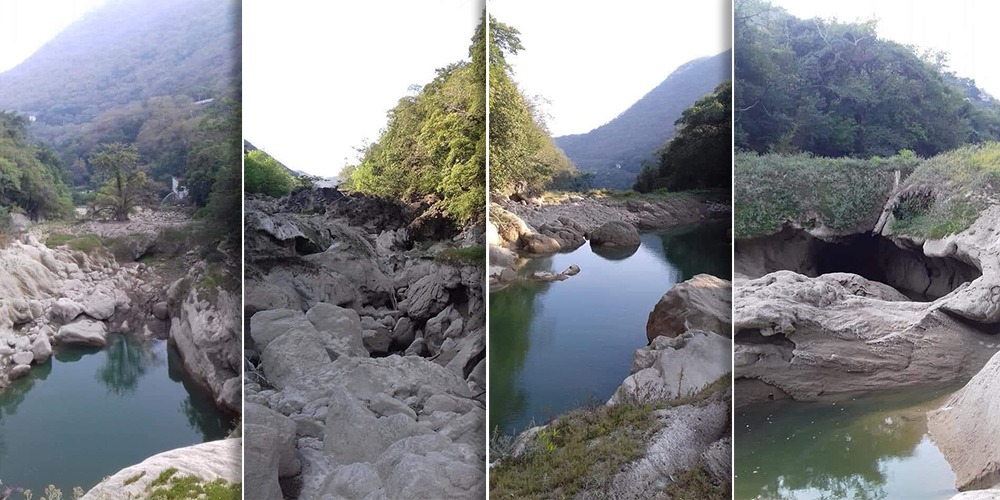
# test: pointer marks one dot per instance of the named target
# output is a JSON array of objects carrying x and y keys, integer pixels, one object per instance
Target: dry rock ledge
[
  {"x": 208, "y": 462},
  {"x": 681, "y": 360},
  {"x": 365, "y": 353}
]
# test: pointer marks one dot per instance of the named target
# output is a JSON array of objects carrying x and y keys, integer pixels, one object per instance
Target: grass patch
[
  {"x": 465, "y": 256},
  {"x": 583, "y": 449},
  {"x": 947, "y": 192},
  {"x": 173, "y": 487},
  {"x": 87, "y": 243},
  {"x": 164, "y": 476},
  {"x": 843, "y": 194},
  {"x": 697, "y": 484},
  {"x": 134, "y": 478}
]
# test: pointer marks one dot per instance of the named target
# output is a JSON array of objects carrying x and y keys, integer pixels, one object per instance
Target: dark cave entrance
[{"x": 871, "y": 256}]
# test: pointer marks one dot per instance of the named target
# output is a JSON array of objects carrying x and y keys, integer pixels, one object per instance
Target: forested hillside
[
  {"x": 699, "y": 155},
  {"x": 131, "y": 71},
  {"x": 523, "y": 157},
  {"x": 614, "y": 152},
  {"x": 434, "y": 145},
  {"x": 155, "y": 82},
  {"x": 838, "y": 89}
]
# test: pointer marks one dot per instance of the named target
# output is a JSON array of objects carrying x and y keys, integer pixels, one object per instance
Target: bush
[{"x": 264, "y": 175}]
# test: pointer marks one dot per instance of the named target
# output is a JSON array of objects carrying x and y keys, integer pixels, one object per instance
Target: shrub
[{"x": 264, "y": 175}]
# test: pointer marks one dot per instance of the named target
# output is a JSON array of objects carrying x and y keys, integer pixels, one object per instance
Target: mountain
[
  {"x": 139, "y": 71},
  {"x": 614, "y": 152}
]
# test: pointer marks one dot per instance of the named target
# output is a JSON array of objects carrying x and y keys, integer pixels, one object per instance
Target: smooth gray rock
[{"x": 83, "y": 332}]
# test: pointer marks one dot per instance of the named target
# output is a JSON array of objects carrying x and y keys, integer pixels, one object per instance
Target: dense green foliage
[
  {"x": 264, "y": 175},
  {"x": 946, "y": 193},
  {"x": 842, "y": 194},
  {"x": 614, "y": 152},
  {"x": 434, "y": 145},
  {"x": 131, "y": 71},
  {"x": 30, "y": 178},
  {"x": 523, "y": 156},
  {"x": 837, "y": 89},
  {"x": 699, "y": 156}
]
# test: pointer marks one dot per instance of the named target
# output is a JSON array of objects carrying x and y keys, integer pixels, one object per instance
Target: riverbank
[
  {"x": 666, "y": 428},
  {"x": 365, "y": 349}
]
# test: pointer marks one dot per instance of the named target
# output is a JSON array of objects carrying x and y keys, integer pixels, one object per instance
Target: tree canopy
[
  {"x": 30, "y": 178},
  {"x": 434, "y": 145},
  {"x": 838, "y": 89},
  {"x": 523, "y": 156}
]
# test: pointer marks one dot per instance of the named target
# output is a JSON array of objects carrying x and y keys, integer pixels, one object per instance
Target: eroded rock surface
[
  {"x": 366, "y": 356},
  {"x": 703, "y": 302},
  {"x": 966, "y": 430},
  {"x": 206, "y": 461}
]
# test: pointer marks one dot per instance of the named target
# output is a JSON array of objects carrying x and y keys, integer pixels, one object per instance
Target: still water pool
[
  {"x": 871, "y": 447},
  {"x": 557, "y": 346},
  {"x": 88, "y": 413}
]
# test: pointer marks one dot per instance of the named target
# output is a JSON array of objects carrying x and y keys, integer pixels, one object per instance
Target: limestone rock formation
[
  {"x": 966, "y": 430},
  {"x": 365, "y": 357},
  {"x": 205, "y": 327},
  {"x": 206, "y": 461},
  {"x": 673, "y": 367},
  {"x": 839, "y": 333},
  {"x": 703, "y": 302}
]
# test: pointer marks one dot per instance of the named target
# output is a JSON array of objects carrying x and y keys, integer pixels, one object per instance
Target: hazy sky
[
  {"x": 319, "y": 77},
  {"x": 966, "y": 29},
  {"x": 25, "y": 25},
  {"x": 593, "y": 59}
]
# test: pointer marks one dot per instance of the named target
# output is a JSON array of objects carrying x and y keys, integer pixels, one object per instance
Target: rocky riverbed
[{"x": 365, "y": 350}]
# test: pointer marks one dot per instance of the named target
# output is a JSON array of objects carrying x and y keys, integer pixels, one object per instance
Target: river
[{"x": 558, "y": 346}]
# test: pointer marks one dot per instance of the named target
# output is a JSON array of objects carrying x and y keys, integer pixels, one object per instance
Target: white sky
[
  {"x": 25, "y": 25},
  {"x": 319, "y": 77},
  {"x": 593, "y": 59},
  {"x": 965, "y": 29}
]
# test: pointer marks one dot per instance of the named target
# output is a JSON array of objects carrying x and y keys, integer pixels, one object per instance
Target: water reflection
[
  {"x": 126, "y": 360},
  {"x": 557, "y": 346},
  {"x": 869, "y": 448},
  {"x": 128, "y": 401}
]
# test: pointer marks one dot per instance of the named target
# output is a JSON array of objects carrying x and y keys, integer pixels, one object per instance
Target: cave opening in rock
[{"x": 871, "y": 256}]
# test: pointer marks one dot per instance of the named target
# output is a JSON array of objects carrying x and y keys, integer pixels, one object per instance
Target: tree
[
  {"x": 125, "y": 180},
  {"x": 264, "y": 175}
]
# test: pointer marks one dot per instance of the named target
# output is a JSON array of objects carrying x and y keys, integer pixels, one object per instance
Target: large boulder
[
  {"x": 703, "y": 302},
  {"x": 207, "y": 462},
  {"x": 839, "y": 333},
  {"x": 536, "y": 243},
  {"x": 83, "y": 332},
  {"x": 967, "y": 432},
  {"x": 615, "y": 233},
  {"x": 674, "y": 367},
  {"x": 284, "y": 446}
]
